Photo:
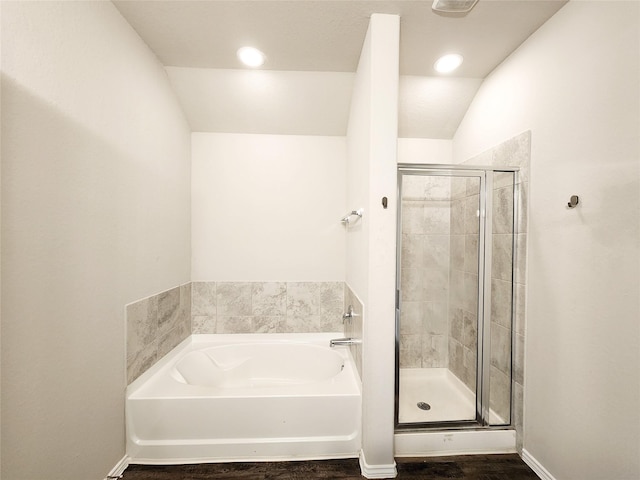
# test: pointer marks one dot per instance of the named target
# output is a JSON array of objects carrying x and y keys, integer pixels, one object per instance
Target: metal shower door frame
[{"x": 483, "y": 365}]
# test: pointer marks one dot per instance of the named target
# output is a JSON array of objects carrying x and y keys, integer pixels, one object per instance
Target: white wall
[
  {"x": 371, "y": 174},
  {"x": 264, "y": 101},
  {"x": 575, "y": 85},
  {"x": 425, "y": 150},
  {"x": 95, "y": 214},
  {"x": 268, "y": 207}
]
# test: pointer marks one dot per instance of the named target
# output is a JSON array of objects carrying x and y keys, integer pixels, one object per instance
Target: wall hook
[{"x": 573, "y": 201}]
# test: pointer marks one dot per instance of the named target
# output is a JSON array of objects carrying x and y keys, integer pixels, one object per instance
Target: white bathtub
[{"x": 246, "y": 397}]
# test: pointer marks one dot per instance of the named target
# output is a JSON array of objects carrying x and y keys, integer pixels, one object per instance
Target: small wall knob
[{"x": 573, "y": 201}]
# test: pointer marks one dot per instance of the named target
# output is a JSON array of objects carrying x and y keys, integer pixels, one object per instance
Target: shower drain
[{"x": 424, "y": 406}]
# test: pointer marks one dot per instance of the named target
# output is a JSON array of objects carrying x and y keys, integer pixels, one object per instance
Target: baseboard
[
  {"x": 377, "y": 471},
  {"x": 536, "y": 466},
  {"x": 118, "y": 470}
]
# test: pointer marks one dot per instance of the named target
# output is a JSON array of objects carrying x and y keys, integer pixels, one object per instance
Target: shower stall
[{"x": 455, "y": 296}]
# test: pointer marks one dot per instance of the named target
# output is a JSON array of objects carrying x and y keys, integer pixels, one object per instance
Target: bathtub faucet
[{"x": 337, "y": 342}]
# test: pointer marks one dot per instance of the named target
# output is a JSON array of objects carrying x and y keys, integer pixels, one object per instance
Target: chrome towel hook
[{"x": 573, "y": 201}]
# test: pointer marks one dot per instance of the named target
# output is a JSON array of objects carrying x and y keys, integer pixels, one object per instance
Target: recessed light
[
  {"x": 251, "y": 57},
  {"x": 448, "y": 63}
]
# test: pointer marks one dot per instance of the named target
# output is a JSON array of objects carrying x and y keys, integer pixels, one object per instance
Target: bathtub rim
[{"x": 195, "y": 339}]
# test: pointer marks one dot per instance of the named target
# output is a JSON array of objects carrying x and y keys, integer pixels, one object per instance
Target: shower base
[
  {"x": 449, "y": 399},
  {"x": 447, "y": 396}
]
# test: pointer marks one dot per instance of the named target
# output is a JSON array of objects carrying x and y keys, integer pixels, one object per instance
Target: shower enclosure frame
[{"x": 485, "y": 248}]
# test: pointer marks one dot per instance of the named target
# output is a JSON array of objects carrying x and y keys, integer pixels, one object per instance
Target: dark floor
[{"x": 476, "y": 467}]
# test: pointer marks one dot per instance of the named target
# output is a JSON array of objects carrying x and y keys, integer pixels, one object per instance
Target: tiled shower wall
[
  {"x": 156, "y": 324},
  {"x": 424, "y": 281},
  {"x": 514, "y": 152},
  {"x": 463, "y": 287}
]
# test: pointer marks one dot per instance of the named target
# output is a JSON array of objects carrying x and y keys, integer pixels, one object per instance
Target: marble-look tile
[
  {"x": 411, "y": 316},
  {"x": 471, "y": 253},
  {"x": 523, "y": 207},
  {"x": 185, "y": 305},
  {"x": 470, "y": 368},
  {"x": 503, "y": 179},
  {"x": 520, "y": 273},
  {"x": 168, "y": 310},
  {"x": 502, "y": 211},
  {"x": 435, "y": 318},
  {"x": 456, "y": 324},
  {"x": 437, "y": 217},
  {"x": 502, "y": 257},
  {"x": 434, "y": 351},
  {"x": 268, "y": 324},
  {"x": 140, "y": 361},
  {"x": 501, "y": 348},
  {"x": 457, "y": 216},
  {"x": 413, "y": 187},
  {"x": 470, "y": 331},
  {"x": 413, "y": 217},
  {"x": 456, "y": 288},
  {"x": 521, "y": 302},
  {"x": 501, "y": 302},
  {"x": 471, "y": 214},
  {"x": 515, "y": 152},
  {"x": 457, "y": 249},
  {"x": 456, "y": 354},
  {"x": 203, "y": 324},
  {"x": 303, "y": 299},
  {"x": 203, "y": 298},
  {"x": 437, "y": 188},
  {"x": 518, "y": 363},
  {"x": 233, "y": 299},
  {"x": 269, "y": 299},
  {"x": 470, "y": 292},
  {"x": 173, "y": 337},
  {"x": 473, "y": 186},
  {"x": 142, "y": 324},
  {"x": 435, "y": 251},
  {"x": 332, "y": 299},
  {"x": 303, "y": 324},
  {"x": 435, "y": 283},
  {"x": 411, "y": 351},
  {"x": 331, "y": 322},
  {"x": 234, "y": 324},
  {"x": 458, "y": 187},
  {"x": 412, "y": 285},
  {"x": 411, "y": 250},
  {"x": 518, "y": 403},
  {"x": 500, "y": 394}
]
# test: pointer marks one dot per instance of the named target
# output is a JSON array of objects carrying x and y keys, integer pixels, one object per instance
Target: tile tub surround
[
  {"x": 267, "y": 307},
  {"x": 155, "y": 325}
]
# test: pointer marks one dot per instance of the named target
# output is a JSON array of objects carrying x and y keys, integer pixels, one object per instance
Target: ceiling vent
[{"x": 453, "y": 6}]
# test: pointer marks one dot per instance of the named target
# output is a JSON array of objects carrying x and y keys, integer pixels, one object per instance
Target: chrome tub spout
[{"x": 336, "y": 342}]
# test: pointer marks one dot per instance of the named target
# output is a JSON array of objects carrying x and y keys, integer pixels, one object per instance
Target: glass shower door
[
  {"x": 455, "y": 277},
  {"x": 440, "y": 238}
]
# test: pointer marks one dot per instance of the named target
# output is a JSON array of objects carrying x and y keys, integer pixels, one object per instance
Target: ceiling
[{"x": 327, "y": 36}]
